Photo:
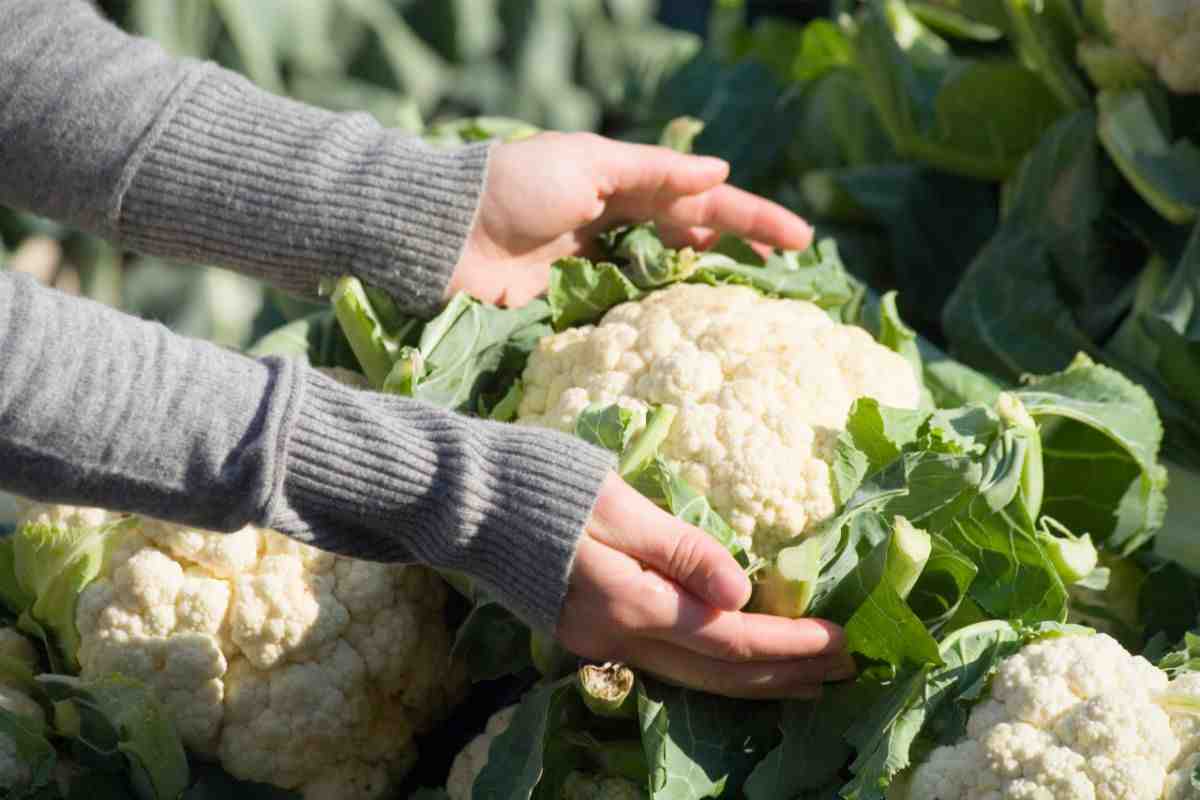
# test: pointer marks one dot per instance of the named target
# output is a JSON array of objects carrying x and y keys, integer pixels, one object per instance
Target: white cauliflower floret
[
  {"x": 1162, "y": 33},
  {"x": 474, "y": 757},
  {"x": 294, "y": 667},
  {"x": 1068, "y": 718},
  {"x": 763, "y": 387}
]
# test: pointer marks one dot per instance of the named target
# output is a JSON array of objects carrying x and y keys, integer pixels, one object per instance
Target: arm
[
  {"x": 99, "y": 408},
  {"x": 182, "y": 159}
]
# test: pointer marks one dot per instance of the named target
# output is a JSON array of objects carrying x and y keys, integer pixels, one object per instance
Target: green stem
[
  {"x": 646, "y": 443},
  {"x": 374, "y": 349}
]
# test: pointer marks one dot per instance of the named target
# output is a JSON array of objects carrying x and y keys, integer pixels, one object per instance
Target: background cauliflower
[
  {"x": 1071, "y": 718},
  {"x": 291, "y": 666},
  {"x": 763, "y": 387},
  {"x": 1162, "y": 33}
]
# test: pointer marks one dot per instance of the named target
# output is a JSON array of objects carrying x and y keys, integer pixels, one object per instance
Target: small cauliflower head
[
  {"x": 291, "y": 666},
  {"x": 1068, "y": 718},
  {"x": 763, "y": 387},
  {"x": 474, "y": 757},
  {"x": 1162, "y": 33}
]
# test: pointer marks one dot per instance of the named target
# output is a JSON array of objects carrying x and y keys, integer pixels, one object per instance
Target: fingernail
[{"x": 711, "y": 162}]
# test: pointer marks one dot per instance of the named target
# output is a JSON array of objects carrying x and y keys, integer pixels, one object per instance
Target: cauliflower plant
[
  {"x": 1071, "y": 718},
  {"x": 763, "y": 387},
  {"x": 292, "y": 666},
  {"x": 1162, "y": 33}
]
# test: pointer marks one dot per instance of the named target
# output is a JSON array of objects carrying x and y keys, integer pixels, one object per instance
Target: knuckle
[
  {"x": 686, "y": 557},
  {"x": 736, "y": 646}
]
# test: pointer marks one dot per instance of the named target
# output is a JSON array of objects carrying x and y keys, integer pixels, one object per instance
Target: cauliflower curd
[
  {"x": 763, "y": 386},
  {"x": 1162, "y": 33},
  {"x": 292, "y": 666},
  {"x": 1071, "y": 718}
]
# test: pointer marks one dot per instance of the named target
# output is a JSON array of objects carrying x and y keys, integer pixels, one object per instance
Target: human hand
[
  {"x": 653, "y": 592},
  {"x": 549, "y": 196}
]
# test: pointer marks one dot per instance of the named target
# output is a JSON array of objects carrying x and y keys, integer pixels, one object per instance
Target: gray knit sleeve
[
  {"x": 100, "y": 408},
  {"x": 178, "y": 158}
]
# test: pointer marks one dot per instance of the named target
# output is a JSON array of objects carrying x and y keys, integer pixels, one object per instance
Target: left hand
[{"x": 549, "y": 196}]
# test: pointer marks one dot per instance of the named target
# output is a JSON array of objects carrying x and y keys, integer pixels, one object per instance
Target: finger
[
  {"x": 749, "y": 681},
  {"x": 729, "y": 209},
  {"x": 628, "y": 522},
  {"x": 670, "y": 614},
  {"x": 640, "y": 170},
  {"x": 699, "y": 238}
]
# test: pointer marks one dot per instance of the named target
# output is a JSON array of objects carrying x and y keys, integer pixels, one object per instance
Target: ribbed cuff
[
  {"x": 291, "y": 194},
  {"x": 390, "y": 479}
]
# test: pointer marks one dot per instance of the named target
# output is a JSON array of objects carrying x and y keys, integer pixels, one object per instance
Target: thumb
[
  {"x": 628, "y": 522},
  {"x": 639, "y": 169}
]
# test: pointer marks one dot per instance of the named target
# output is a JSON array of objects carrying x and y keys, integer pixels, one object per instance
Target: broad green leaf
[
  {"x": 975, "y": 20},
  {"x": 943, "y": 586},
  {"x": 317, "y": 338},
  {"x": 884, "y": 733},
  {"x": 816, "y": 274},
  {"x": 1007, "y": 315},
  {"x": 1016, "y": 580},
  {"x": 749, "y": 116},
  {"x": 611, "y": 427},
  {"x": 975, "y": 118},
  {"x": 122, "y": 715},
  {"x": 516, "y": 758},
  {"x": 885, "y": 629},
  {"x": 472, "y": 349},
  {"x": 1044, "y": 32},
  {"x": 492, "y": 642},
  {"x": 881, "y": 432},
  {"x": 1101, "y": 441},
  {"x": 855, "y": 530},
  {"x": 812, "y": 751},
  {"x": 699, "y": 745},
  {"x": 581, "y": 292},
  {"x": 1165, "y": 173},
  {"x": 53, "y": 565}
]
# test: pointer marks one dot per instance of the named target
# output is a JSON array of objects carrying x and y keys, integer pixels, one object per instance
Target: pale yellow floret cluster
[
  {"x": 762, "y": 385},
  {"x": 1070, "y": 718},
  {"x": 292, "y": 666},
  {"x": 1163, "y": 33}
]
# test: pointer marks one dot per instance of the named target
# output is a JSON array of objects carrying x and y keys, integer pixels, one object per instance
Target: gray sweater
[{"x": 179, "y": 158}]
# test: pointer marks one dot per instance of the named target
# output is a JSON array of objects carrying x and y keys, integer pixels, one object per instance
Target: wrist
[{"x": 385, "y": 478}]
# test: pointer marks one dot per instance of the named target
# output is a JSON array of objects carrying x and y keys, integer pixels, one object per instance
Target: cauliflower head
[
  {"x": 291, "y": 666},
  {"x": 1162, "y": 33},
  {"x": 1070, "y": 718},
  {"x": 763, "y": 387}
]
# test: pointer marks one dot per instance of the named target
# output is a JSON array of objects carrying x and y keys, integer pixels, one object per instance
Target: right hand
[{"x": 653, "y": 592}]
